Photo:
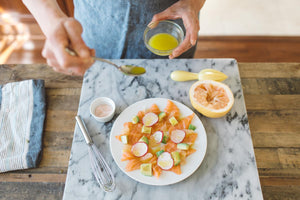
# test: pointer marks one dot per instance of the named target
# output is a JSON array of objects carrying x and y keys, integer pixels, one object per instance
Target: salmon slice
[
  {"x": 172, "y": 110},
  {"x": 156, "y": 170},
  {"x": 176, "y": 169},
  {"x": 127, "y": 156},
  {"x": 182, "y": 157},
  {"x": 155, "y": 109},
  {"x": 182, "y": 124},
  {"x": 190, "y": 151},
  {"x": 153, "y": 160},
  {"x": 190, "y": 138},
  {"x": 135, "y": 133},
  {"x": 141, "y": 115},
  {"x": 133, "y": 164},
  {"x": 126, "y": 153},
  {"x": 161, "y": 126},
  {"x": 127, "y": 127},
  {"x": 170, "y": 146},
  {"x": 185, "y": 122},
  {"x": 132, "y": 139}
]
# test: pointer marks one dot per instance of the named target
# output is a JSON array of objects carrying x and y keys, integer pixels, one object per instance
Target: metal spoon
[{"x": 130, "y": 70}]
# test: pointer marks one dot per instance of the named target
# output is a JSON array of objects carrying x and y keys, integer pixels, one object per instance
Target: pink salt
[{"x": 103, "y": 110}]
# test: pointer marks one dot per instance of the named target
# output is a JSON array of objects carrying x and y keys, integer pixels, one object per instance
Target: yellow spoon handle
[{"x": 183, "y": 76}]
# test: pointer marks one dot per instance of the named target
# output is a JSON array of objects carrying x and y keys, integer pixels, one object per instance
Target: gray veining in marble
[{"x": 228, "y": 170}]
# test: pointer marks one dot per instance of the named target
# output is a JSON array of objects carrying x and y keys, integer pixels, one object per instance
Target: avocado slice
[
  {"x": 183, "y": 146},
  {"x": 135, "y": 119},
  {"x": 146, "y": 169},
  {"x": 159, "y": 153},
  {"x": 173, "y": 121},
  {"x": 144, "y": 139},
  {"x": 124, "y": 139},
  {"x": 146, "y": 129},
  {"x": 161, "y": 115},
  {"x": 176, "y": 157},
  {"x": 165, "y": 139}
]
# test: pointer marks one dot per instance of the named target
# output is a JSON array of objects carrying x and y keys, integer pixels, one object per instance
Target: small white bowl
[{"x": 99, "y": 101}]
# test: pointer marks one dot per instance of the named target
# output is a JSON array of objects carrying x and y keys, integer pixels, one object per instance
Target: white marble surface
[{"x": 229, "y": 169}]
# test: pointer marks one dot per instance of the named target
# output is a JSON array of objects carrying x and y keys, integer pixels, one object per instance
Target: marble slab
[{"x": 228, "y": 170}]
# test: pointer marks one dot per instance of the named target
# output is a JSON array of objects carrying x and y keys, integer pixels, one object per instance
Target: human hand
[
  {"x": 67, "y": 33},
  {"x": 187, "y": 10}
]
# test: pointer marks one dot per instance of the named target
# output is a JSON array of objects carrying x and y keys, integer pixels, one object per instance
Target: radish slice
[
  {"x": 139, "y": 149},
  {"x": 165, "y": 161},
  {"x": 157, "y": 136},
  {"x": 177, "y": 136},
  {"x": 150, "y": 119}
]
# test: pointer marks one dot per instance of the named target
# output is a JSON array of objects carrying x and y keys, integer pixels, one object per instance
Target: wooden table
[{"x": 272, "y": 96}]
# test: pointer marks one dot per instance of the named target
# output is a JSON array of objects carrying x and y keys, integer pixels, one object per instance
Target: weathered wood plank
[
  {"x": 45, "y": 170},
  {"x": 287, "y": 121},
  {"x": 272, "y": 102},
  {"x": 29, "y": 191},
  {"x": 33, "y": 178},
  {"x": 277, "y": 157},
  {"x": 274, "y": 86},
  {"x": 267, "y": 158},
  {"x": 62, "y": 102},
  {"x": 54, "y": 158},
  {"x": 11, "y": 73},
  {"x": 269, "y": 70},
  {"x": 289, "y": 157},
  {"x": 275, "y": 139},
  {"x": 63, "y": 91},
  {"x": 249, "y": 48},
  {"x": 281, "y": 192},
  {"x": 60, "y": 121},
  {"x": 279, "y": 172},
  {"x": 58, "y": 141},
  {"x": 279, "y": 181}
]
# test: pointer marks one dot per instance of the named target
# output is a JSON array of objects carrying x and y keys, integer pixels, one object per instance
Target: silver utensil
[
  {"x": 101, "y": 170},
  {"x": 130, "y": 70}
]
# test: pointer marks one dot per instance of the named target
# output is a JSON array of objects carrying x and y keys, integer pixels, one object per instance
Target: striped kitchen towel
[{"x": 22, "y": 114}]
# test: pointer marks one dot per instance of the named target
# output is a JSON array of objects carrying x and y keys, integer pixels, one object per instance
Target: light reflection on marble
[{"x": 228, "y": 170}]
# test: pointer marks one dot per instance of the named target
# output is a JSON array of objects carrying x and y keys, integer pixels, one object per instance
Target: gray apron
[{"x": 114, "y": 28}]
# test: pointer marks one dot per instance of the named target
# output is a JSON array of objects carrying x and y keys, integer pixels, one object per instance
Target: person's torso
[{"x": 115, "y": 28}]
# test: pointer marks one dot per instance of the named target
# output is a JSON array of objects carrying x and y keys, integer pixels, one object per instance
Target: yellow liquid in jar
[{"x": 163, "y": 42}]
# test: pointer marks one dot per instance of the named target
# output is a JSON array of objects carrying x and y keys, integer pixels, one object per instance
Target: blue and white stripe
[{"x": 22, "y": 114}]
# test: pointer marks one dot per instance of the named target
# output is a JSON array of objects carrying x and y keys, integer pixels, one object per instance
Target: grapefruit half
[{"x": 211, "y": 98}]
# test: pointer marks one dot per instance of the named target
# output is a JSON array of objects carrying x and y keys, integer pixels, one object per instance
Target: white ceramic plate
[{"x": 192, "y": 162}]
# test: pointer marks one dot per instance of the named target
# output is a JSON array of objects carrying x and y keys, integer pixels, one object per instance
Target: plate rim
[{"x": 188, "y": 173}]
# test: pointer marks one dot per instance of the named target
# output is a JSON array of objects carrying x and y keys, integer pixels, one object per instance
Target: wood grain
[
  {"x": 273, "y": 139},
  {"x": 29, "y": 191},
  {"x": 286, "y": 192},
  {"x": 35, "y": 178},
  {"x": 286, "y": 121},
  {"x": 256, "y": 102},
  {"x": 272, "y": 100},
  {"x": 271, "y": 70},
  {"x": 273, "y": 86},
  {"x": 249, "y": 48},
  {"x": 11, "y": 73}
]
